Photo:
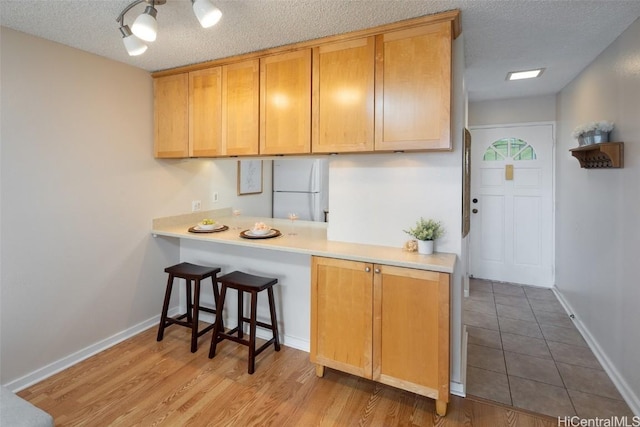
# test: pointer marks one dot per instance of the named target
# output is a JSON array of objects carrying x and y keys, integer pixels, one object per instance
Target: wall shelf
[{"x": 600, "y": 156}]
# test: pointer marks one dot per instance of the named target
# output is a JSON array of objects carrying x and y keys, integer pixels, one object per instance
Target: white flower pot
[{"x": 425, "y": 247}]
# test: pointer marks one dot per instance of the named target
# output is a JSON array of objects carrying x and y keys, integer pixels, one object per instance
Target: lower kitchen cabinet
[{"x": 385, "y": 323}]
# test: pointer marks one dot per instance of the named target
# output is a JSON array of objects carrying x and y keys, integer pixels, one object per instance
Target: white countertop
[{"x": 310, "y": 238}]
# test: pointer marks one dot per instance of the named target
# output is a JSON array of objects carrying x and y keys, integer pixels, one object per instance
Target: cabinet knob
[
  {"x": 367, "y": 269},
  {"x": 475, "y": 211},
  {"x": 377, "y": 270}
]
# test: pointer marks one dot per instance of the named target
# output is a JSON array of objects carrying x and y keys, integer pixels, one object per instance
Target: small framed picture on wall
[{"x": 249, "y": 177}]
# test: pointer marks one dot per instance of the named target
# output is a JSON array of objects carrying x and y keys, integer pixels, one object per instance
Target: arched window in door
[{"x": 510, "y": 148}]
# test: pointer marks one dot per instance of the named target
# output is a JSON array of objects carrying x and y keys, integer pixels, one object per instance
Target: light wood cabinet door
[
  {"x": 389, "y": 324},
  {"x": 341, "y": 315},
  {"x": 285, "y": 103},
  {"x": 171, "y": 116},
  {"x": 205, "y": 112},
  {"x": 411, "y": 330},
  {"x": 343, "y": 96},
  {"x": 413, "y": 89},
  {"x": 241, "y": 108}
]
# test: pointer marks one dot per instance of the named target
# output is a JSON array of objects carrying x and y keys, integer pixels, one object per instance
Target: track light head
[
  {"x": 208, "y": 15},
  {"x": 145, "y": 26},
  {"x": 134, "y": 45}
]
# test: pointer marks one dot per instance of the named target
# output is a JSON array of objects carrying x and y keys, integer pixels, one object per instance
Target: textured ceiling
[{"x": 499, "y": 35}]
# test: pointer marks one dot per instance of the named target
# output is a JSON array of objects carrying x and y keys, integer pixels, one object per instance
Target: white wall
[
  {"x": 514, "y": 110},
  {"x": 79, "y": 187},
  {"x": 598, "y": 210}
]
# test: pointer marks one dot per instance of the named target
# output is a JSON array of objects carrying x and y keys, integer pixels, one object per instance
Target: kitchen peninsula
[
  {"x": 378, "y": 312},
  {"x": 310, "y": 239}
]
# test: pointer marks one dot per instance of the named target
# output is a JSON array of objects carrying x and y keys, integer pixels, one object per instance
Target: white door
[{"x": 511, "y": 236}]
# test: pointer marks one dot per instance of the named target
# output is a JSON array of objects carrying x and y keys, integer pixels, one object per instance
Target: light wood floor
[{"x": 141, "y": 382}]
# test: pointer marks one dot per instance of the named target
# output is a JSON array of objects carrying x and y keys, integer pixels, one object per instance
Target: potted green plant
[{"x": 425, "y": 232}]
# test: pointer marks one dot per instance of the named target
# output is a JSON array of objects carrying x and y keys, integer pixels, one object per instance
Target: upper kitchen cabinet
[
  {"x": 211, "y": 112},
  {"x": 224, "y": 110},
  {"x": 386, "y": 88},
  {"x": 171, "y": 118},
  {"x": 205, "y": 112},
  {"x": 285, "y": 103},
  {"x": 241, "y": 108},
  {"x": 343, "y": 96},
  {"x": 413, "y": 88}
]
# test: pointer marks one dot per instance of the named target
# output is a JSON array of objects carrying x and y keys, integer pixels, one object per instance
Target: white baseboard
[
  {"x": 70, "y": 360},
  {"x": 623, "y": 388},
  {"x": 461, "y": 387},
  {"x": 457, "y": 389}
]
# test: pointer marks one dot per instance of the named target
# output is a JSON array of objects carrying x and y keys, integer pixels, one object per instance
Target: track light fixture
[{"x": 145, "y": 26}]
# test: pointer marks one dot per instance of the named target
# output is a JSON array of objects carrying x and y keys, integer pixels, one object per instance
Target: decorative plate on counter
[
  {"x": 248, "y": 234},
  {"x": 197, "y": 229}
]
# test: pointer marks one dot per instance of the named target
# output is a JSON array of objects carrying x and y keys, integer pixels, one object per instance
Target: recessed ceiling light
[{"x": 528, "y": 74}]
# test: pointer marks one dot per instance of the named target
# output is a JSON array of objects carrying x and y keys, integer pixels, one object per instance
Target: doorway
[
  {"x": 512, "y": 219},
  {"x": 523, "y": 349}
]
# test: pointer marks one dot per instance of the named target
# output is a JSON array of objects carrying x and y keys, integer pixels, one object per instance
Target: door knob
[{"x": 475, "y": 211}]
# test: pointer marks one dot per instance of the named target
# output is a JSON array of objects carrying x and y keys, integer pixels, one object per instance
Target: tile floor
[{"x": 525, "y": 351}]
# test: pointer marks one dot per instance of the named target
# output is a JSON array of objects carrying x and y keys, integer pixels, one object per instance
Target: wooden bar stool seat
[
  {"x": 196, "y": 273},
  {"x": 243, "y": 282}
]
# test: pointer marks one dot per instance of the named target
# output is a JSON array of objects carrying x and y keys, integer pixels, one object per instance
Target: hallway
[{"x": 525, "y": 351}]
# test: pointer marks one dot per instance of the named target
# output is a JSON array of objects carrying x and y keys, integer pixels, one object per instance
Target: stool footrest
[
  {"x": 264, "y": 346},
  {"x": 246, "y": 342},
  {"x": 233, "y": 338},
  {"x": 258, "y": 323},
  {"x": 231, "y": 331},
  {"x": 171, "y": 321},
  {"x": 178, "y": 321},
  {"x": 207, "y": 329},
  {"x": 208, "y": 310}
]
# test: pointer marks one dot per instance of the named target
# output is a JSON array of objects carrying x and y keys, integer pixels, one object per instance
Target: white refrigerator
[{"x": 300, "y": 186}]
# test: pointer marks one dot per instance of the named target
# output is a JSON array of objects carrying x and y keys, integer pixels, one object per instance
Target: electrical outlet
[
  {"x": 215, "y": 197},
  {"x": 196, "y": 205}
]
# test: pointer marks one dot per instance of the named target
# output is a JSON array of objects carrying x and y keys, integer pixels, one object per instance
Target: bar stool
[
  {"x": 243, "y": 282},
  {"x": 196, "y": 273}
]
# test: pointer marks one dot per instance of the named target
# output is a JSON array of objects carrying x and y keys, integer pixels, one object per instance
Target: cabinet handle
[
  {"x": 377, "y": 270},
  {"x": 367, "y": 269}
]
